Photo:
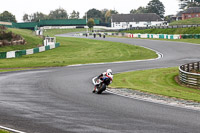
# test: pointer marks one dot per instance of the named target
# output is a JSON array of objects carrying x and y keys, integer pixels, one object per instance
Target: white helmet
[{"x": 109, "y": 71}]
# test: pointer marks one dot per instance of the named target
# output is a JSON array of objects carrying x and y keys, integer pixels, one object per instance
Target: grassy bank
[
  {"x": 156, "y": 81},
  {"x": 52, "y": 32},
  {"x": 191, "y": 21},
  {"x": 32, "y": 40},
  {"x": 191, "y": 30},
  {"x": 3, "y": 131},
  {"x": 80, "y": 51}
]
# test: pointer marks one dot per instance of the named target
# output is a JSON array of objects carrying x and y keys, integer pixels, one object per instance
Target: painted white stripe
[
  {"x": 160, "y": 55},
  {"x": 52, "y": 46},
  {"x": 41, "y": 49},
  {"x": 10, "y": 54},
  {"x": 10, "y": 129},
  {"x": 29, "y": 51}
]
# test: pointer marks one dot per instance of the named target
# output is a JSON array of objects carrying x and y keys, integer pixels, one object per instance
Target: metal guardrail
[{"x": 189, "y": 78}]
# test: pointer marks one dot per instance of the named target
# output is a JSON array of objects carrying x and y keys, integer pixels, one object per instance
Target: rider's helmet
[{"x": 109, "y": 71}]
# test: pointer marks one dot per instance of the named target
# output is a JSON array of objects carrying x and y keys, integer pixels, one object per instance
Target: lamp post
[{"x": 86, "y": 23}]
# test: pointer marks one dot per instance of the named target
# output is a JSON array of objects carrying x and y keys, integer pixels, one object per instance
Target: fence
[
  {"x": 19, "y": 53},
  {"x": 189, "y": 78},
  {"x": 161, "y": 27}
]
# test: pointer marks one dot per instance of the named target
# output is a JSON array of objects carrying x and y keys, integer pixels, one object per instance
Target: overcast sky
[{"x": 20, "y": 7}]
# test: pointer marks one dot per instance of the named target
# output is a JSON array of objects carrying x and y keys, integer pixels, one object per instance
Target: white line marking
[
  {"x": 160, "y": 55},
  {"x": 12, "y": 130}
]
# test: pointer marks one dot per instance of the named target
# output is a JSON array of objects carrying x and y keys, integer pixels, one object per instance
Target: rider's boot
[{"x": 94, "y": 89}]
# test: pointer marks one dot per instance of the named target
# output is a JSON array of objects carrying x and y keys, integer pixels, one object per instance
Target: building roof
[
  {"x": 192, "y": 10},
  {"x": 135, "y": 17}
]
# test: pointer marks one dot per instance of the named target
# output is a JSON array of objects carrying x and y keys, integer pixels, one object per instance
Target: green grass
[
  {"x": 32, "y": 40},
  {"x": 3, "y": 131},
  {"x": 53, "y": 32},
  {"x": 80, "y": 51},
  {"x": 156, "y": 81},
  {"x": 186, "y": 22}
]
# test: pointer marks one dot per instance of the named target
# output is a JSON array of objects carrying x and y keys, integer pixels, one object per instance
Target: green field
[
  {"x": 32, "y": 40},
  {"x": 190, "y": 30},
  {"x": 192, "y": 21},
  {"x": 156, "y": 81},
  {"x": 3, "y": 131},
  {"x": 78, "y": 51},
  {"x": 53, "y": 32}
]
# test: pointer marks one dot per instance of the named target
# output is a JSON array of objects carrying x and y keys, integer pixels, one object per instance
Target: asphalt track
[{"x": 59, "y": 100}]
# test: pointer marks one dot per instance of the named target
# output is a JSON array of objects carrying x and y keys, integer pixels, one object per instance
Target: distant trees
[
  {"x": 94, "y": 13},
  {"x": 184, "y": 4},
  {"x": 7, "y": 16},
  {"x": 104, "y": 15},
  {"x": 90, "y": 23},
  {"x": 35, "y": 17},
  {"x": 74, "y": 15},
  {"x": 58, "y": 14},
  {"x": 154, "y": 6},
  {"x": 139, "y": 10}
]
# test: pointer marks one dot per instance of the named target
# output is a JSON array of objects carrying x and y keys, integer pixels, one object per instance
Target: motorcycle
[{"x": 101, "y": 83}]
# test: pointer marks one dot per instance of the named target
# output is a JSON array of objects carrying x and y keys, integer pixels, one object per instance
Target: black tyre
[{"x": 101, "y": 88}]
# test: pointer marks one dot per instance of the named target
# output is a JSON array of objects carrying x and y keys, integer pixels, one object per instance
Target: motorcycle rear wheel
[{"x": 101, "y": 88}]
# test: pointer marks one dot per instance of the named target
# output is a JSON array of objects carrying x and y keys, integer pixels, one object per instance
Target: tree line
[
  {"x": 60, "y": 13},
  {"x": 154, "y": 6}
]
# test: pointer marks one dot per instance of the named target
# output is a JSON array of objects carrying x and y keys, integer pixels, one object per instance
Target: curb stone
[{"x": 134, "y": 94}]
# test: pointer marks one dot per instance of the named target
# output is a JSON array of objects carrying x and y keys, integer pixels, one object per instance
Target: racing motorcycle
[{"x": 101, "y": 83}]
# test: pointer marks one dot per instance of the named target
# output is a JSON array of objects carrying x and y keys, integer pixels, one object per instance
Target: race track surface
[{"x": 60, "y": 100}]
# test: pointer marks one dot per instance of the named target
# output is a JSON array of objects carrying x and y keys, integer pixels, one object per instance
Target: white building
[{"x": 124, "y": 21}]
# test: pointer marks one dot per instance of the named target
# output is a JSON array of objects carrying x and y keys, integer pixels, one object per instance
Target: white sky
[{"x": 20, "y": 7}]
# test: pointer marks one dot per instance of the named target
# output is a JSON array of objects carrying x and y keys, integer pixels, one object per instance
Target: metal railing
[{"x": 186, "y": 76}]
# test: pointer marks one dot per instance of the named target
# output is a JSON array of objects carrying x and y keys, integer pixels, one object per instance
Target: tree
[
  {"x": 58, "y": 14},
  {"x": 139, "y": 10},
  {"x": 94, "y": 13},
  {"x": 26, "y": 18},
  {"x": 108, "y": 15},
  {"x": 103, "y": 16},
  {"x": 90, "y": 23},
  {"x": 7, "y": 16},
  {"x": 184, "y": 4},
  {"x": 155, "y": 6},
  {"x": 74, "y": 15},
  {"x": 169, "y": 18},
  {"x": 35, "y": 17}
]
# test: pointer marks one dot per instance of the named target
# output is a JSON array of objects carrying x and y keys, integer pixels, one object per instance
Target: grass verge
[
  {"x": 80, "y": 51},
  {"x": 195, "y": 41},
  {"x": 52, "y": 32},
  {"x": 32, "y": 40},
  {"x": 186, "y": 22},
  {"x": 156, "y": 81},
  {"x": 3, "y": 131}
]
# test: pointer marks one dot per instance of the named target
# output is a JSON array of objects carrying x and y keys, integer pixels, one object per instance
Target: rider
[{"x": 108, "y": 74}]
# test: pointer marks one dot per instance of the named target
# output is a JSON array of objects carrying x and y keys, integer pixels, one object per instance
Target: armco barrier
[
  {"x": 189, "y": 78},
  {"x": 19, "y": 53},
  {"x": 155, "y": 36}
]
